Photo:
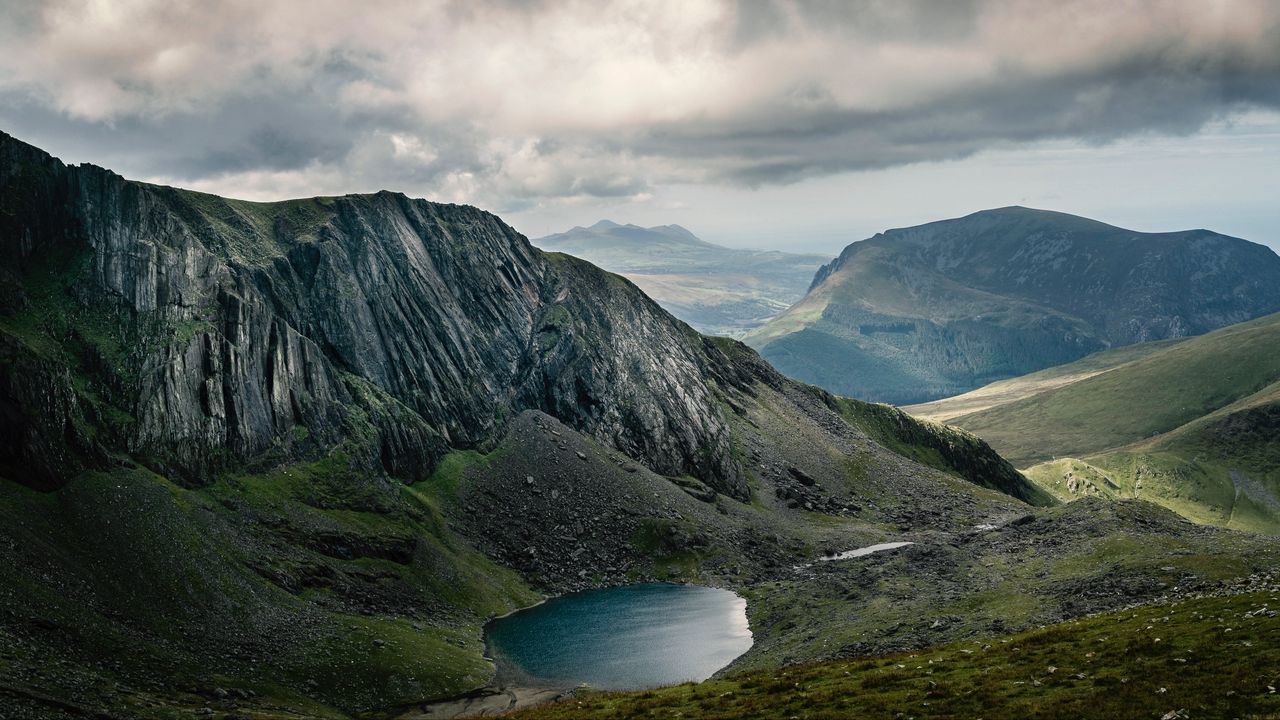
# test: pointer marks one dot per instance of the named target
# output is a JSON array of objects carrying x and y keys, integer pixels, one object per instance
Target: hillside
[
  {"x": 1004, "y": 392},
  {"x": 717, "y": 290},
  {"x": 1191, "y": 424},
  {"x": 285, "y": 460},
  {"x": 916, "y": 314},
  {"x": 1163, "y": 661}
]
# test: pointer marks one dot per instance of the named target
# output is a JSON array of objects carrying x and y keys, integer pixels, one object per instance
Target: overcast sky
[{"x": 790, "y": 125}]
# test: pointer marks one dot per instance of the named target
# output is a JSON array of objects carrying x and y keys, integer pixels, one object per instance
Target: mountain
[
  {"x": 1191, "y": 424},
  {"x": 920, "y": 313},
  {"x": 717, "y": 290},
  {"x": 287, "y": 459}
]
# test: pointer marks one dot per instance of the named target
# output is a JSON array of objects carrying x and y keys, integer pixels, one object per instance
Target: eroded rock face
[{"x": 213, "y": 330}]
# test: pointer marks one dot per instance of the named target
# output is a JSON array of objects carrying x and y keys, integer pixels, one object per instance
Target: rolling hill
[
  {"x": 717, "y": 290},
  {"x": 1192, "y": 424},
  {"x": 921, "y": 313}
]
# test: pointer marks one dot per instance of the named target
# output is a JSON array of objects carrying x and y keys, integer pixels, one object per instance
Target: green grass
[
  {"x": 1192, "y": 425},
  {"x": 939, "y": 446},
  {"x": 1003, "y": 392},
  {"x": 335, "y": 499},
  {"x": 322, "y": 588},
  {"x": 1148, "y": 396},
  {"x": 449, "y": 473},
  {"x": 1210, "y": 657}
]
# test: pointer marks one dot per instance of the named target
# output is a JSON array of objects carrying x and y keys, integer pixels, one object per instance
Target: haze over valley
[{"x": 717, "y": 290}]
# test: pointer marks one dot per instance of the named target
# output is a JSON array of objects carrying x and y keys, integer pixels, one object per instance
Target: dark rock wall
[{"x": 239, "y": 330}]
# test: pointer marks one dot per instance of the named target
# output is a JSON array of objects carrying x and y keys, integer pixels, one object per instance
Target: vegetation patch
[{"x": 1212, "y": 657}]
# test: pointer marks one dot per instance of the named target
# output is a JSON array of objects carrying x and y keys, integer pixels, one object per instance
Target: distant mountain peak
[{"x": 718, "y": 290}]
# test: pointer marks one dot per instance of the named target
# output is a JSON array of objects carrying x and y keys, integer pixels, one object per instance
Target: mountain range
[
  {"x": 717, "y": 290},
  {"x": 286, "y": 460},
  {"x": 916, "y": 314}
]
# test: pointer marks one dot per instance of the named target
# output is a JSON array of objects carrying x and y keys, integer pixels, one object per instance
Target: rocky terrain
[
  {"x": 915, "y": 314},
  {"x": 285, "y": 460},
  {"x": 221, "y": 331},
  {"x": 717, "y": 290}
]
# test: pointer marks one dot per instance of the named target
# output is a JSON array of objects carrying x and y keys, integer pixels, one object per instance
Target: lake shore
[{"x": 485, "y": 702}]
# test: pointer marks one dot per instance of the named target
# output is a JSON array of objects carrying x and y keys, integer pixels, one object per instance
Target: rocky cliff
[
  {"x": 918, "y": 313},
  {"x": 208, "y": 331}
]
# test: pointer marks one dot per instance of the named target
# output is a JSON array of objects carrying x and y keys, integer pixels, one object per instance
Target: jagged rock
[
  {"x": 801, "y": 476},
  {"x": 236, "y": 330}
]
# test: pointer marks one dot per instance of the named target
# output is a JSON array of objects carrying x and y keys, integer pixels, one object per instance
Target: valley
[
  {"x": 729, "y": 359},
  {"x": 717, "y": 290},
  {"x": 286, "y": 460},
  {"x": 1187, "y": 424}
]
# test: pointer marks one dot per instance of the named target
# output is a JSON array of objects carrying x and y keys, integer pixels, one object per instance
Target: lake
[{"x": 624, "y": 638}]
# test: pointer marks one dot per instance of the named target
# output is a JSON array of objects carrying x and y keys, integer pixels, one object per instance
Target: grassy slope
[
  {"x": 1148, "y": 396},
  {"x": 1187, "y": 424},
  {"x": 1222, "y": 469},
  {"x": 937, "y": 446},
  {"x": 1210, "y": 657},
  {"x": 1004, "y": 392},
  {"x": 317, "y": 590}
]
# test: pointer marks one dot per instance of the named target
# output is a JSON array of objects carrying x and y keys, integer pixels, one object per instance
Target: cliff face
[
  {"x": 919, "y": 313},
  {"x": 202, "y": 331}
]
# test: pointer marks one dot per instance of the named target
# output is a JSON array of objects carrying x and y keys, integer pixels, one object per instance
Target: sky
[{"x": 791, "y": 125}]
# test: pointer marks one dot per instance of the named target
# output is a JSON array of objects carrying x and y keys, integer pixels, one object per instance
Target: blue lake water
[{"x": 624, "y": 638}]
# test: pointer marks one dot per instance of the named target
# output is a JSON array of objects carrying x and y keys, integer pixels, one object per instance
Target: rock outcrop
[{"x": 210, "y": 331}]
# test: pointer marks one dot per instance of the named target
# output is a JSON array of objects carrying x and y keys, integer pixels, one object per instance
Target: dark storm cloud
[
  {"x": 1143, "y": 93},
  {"x": 506, "y": 103}
]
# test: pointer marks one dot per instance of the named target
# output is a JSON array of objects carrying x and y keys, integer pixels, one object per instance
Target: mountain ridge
[{"x": 913, "y": 314}]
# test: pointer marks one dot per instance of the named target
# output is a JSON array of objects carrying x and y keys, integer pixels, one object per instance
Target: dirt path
[{"x": 486, "y": 702}]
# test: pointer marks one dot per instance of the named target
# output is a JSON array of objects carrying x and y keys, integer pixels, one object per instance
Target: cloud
[{"x": 512, "y": 104}]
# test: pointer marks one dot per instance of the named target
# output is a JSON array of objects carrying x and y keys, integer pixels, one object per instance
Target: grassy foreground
[{"x": 1202, "y": 658}]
